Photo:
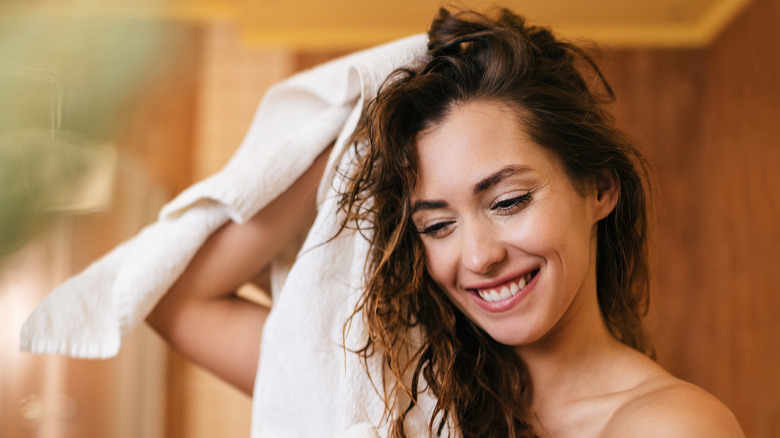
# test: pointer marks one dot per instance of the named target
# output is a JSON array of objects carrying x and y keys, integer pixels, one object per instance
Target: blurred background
[{"x": 109, "y": 109}]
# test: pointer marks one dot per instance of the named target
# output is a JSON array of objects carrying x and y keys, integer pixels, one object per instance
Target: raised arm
[{"x": 201, "y": 317}]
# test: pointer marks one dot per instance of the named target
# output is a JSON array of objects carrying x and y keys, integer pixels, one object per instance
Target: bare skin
[
  {"x": 614, "y": 391},
  {"x": 495, "y": 210},
  {"x": 201, "y": 317}
]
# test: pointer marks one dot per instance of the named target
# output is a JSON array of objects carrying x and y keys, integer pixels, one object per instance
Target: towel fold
[{"x": 307, "y": 384}]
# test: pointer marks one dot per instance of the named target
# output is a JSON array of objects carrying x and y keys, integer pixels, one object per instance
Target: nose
[{"x": 481, "y": 249}]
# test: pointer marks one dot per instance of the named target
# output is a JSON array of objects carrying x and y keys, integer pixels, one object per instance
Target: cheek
[
  {"x": 535, "y": 233},
  {"x": 564, "y": 239},
  {"x": 555, "y": 226},
  {"x": 439, "y": 265}
]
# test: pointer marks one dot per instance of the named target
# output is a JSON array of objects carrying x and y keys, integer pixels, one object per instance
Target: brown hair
[{"x": 481, "y": 386}]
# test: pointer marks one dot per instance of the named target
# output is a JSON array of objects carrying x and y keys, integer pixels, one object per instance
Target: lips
[{"x": 506, "y": 290}]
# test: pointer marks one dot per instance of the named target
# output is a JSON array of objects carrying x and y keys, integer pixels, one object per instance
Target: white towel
[{"x": 307, "y": 384}]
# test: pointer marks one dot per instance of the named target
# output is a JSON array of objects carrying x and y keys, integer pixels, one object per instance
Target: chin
[{"x": 513, "y": 334}]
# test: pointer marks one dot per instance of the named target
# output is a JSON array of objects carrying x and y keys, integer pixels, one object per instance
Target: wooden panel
[
  {"x": 306, "y": 59},
  {"x": 709, "y": 120},
  {"x": 659, "y": 97},
  {"x": 159, "y": 127},
  {"x": 740, "y": 252}
]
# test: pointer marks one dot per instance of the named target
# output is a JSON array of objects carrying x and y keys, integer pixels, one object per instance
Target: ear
[{"x": 607, "y": 194}]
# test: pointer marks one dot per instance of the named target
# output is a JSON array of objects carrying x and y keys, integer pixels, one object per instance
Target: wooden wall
[{"x": 708, "y": 120}]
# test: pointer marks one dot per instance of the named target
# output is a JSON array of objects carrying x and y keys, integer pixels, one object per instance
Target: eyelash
[
  {"x": 508, "y": 205},
  {"x": 435, "y": 229},
  {"x": 505, "y": 206}
]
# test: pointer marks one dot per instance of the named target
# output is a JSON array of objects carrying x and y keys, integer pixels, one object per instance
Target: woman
[
  {"x": 507, "y": 273},
  {"x": 508, "y": 223}
]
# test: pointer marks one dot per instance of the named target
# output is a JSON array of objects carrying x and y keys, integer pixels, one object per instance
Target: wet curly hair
[{"x": 481, "y": 387}]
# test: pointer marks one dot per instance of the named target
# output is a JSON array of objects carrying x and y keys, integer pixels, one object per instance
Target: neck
[{"x": 571, "y": 362}]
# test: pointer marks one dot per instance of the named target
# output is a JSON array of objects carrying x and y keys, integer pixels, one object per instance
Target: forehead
[{"x": 475, "y": 140}]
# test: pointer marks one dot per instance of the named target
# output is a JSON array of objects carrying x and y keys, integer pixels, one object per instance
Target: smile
[{"x": 506, "y": 291}]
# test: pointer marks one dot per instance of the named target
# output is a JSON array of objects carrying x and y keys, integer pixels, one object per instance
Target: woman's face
[{"x": 507, "y": 235}]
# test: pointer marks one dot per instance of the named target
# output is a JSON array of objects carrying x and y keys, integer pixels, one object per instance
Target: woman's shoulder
[{"x": 666, "y": 406}]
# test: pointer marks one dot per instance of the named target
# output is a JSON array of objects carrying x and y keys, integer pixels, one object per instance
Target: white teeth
[{"x": 491, "y": 295}]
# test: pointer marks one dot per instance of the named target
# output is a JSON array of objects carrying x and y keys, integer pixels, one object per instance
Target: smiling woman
[
  {"x": 503, "y": 240},
  {"x": 507, "y": 218}
]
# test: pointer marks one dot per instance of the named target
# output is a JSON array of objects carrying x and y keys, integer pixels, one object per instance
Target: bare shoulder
[{"x": 669, "y": 407}]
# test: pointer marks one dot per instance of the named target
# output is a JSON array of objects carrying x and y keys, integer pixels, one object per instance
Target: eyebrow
[
  {"x": 497, "y": 177},
  {"x": 427, "y": 205},
  {"x": 483, "y": 185}
]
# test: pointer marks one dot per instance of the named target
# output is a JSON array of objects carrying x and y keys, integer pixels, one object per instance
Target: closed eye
[
  {"x": 436, "y": 229},
  {"x": 508, "y": 205}
]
